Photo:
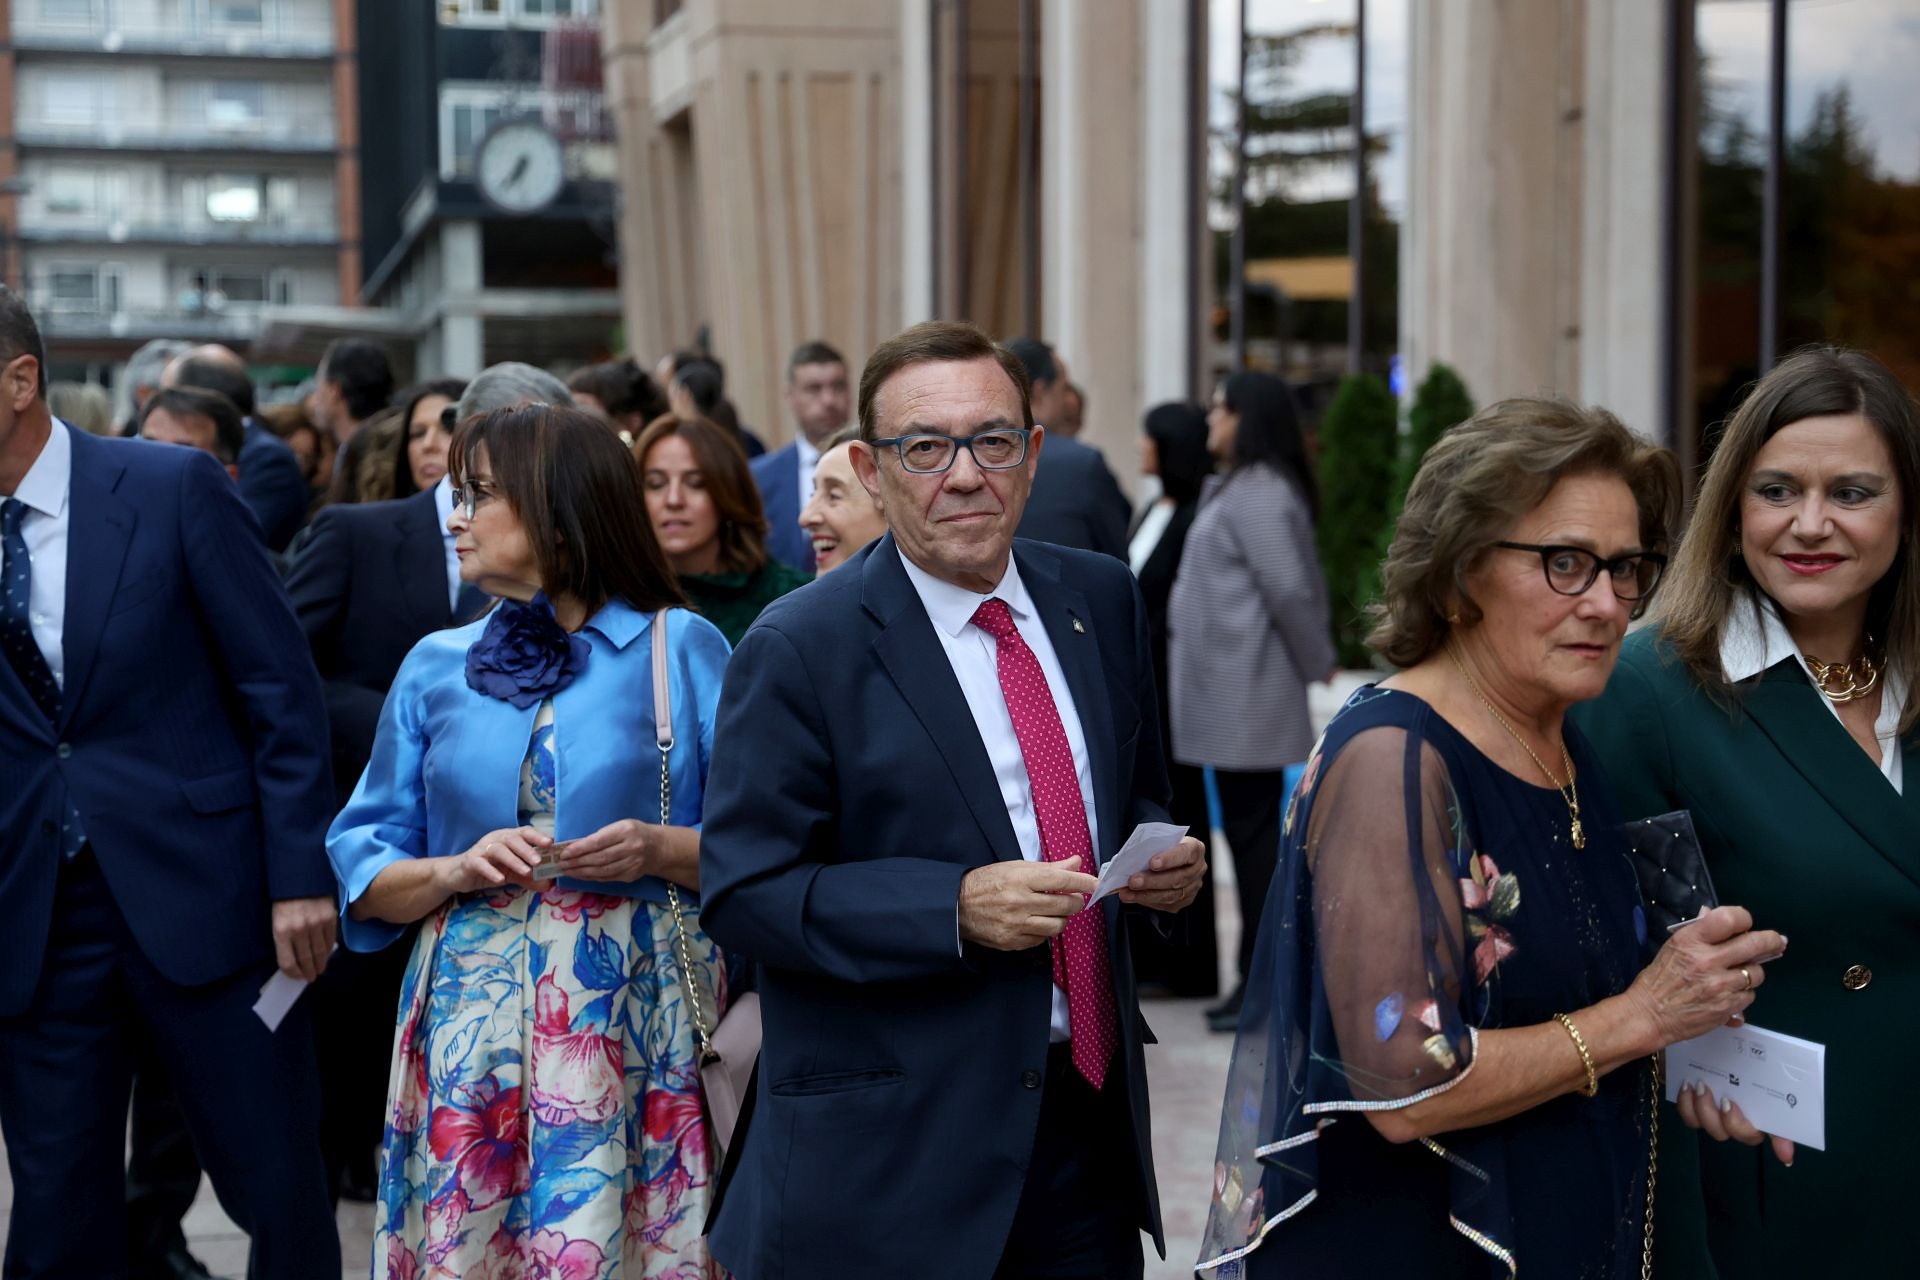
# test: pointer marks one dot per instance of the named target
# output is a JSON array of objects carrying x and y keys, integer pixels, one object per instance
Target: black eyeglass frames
[{"x": 1571, "y": 570}]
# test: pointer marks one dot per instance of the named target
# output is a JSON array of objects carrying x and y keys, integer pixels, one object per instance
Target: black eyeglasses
[
  {"x": 928, "y": 453},
  {"x": 470, "y": 495},
  {"x": 1571, "y": 570}
]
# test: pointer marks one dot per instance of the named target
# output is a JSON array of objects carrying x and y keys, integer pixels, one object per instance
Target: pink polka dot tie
[{"x": 1080, "y": 965}]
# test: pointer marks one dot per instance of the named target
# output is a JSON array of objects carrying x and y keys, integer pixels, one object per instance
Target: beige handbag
[{"x": 729, "y": 1050}]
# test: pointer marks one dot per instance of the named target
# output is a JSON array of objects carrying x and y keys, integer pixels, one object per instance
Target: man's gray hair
[
  {"x": 146, "y": 366},
  {"x": 510, "y": 386}
]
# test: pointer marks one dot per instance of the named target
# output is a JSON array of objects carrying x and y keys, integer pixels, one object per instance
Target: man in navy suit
[
  {"x": 817, "y": 396},
  {"x": 270, "y": 479},
  {"x": 918, "y": 764},
  {"x": 1076, "y": 502},
  {"x": 157, "y": 704}
]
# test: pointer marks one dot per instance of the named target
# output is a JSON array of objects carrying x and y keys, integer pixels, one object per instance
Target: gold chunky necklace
[
  {"x": 1846, "y": 681},
  {"x": 1569, "y": 792}
]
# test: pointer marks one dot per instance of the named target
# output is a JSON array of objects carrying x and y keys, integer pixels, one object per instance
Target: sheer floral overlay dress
[
  {"x": 545, "y": 1118},
  {"x": 1425, "y": 895}
]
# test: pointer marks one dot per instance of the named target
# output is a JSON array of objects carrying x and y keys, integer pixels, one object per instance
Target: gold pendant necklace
[
  {"x": 1570, "y": 792},
  {"x": 1846, "y": 681}
]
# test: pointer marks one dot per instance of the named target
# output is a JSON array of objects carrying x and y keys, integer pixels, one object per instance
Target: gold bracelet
[{"x": 1586, "y": 1059}]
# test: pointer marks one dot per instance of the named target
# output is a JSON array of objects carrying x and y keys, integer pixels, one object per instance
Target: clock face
[{"x": 520, "y": 166}]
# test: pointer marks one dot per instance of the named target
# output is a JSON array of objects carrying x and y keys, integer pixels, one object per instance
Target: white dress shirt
[
  {"x": 443, "y": 503},
  {"x": 808, "y": 458},
  {"x": 1750, "y": 644},
  {"x": 975, "y": 658},
  {"x": 44, "y": 492}
]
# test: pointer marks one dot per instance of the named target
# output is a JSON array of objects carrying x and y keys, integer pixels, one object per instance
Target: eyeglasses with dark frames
[
  {"x": 467, "y": 497},
  {"x": 929, "y": 453},
  {"x": 1571, "y": 570}
]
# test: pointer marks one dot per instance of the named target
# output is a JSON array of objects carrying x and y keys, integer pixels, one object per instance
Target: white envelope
[
  {"x": 1777, "y": 1081},
  {"x": 1148, "y": 839}
]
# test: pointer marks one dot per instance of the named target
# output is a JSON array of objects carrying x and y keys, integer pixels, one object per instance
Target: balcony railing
[
  {"x": 192, "y": 33},
  {"x": 79, "y": 320},
  {"x": 306, "y": 224},
  {"x": 279, "y": 132}
]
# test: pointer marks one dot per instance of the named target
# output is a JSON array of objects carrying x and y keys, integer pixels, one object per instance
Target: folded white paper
[
  {"x": 1148, "y": 839},
  {"x": 277, "y": 995},
  {"x": 1777, "y": 1081}
]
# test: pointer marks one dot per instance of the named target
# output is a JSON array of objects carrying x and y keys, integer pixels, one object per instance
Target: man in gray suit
[{"x": 1076, "y": 502}]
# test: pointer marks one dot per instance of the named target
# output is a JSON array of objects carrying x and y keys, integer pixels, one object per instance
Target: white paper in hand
[
  {"x": 277, "y": 995},
  {"x": 1777, "y": 1081},
  {"x": 1148, "y": 839}
]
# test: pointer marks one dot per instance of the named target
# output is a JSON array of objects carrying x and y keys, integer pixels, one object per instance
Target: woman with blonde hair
[{"x": 1773, "y": 699}]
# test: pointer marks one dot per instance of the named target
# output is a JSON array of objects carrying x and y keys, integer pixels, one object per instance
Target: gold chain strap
[
  {"x": 1654, "y": 1090},
  {"x": 702, "y": 1028},
  {"x": 1846, "y": 681}
]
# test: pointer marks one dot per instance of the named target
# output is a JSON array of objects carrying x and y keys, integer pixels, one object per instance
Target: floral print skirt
[{"x": 544, "y": 1116}]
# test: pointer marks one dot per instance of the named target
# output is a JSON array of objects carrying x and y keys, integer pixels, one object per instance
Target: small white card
[
  {"x": 1777, "y": 1081},
  {"x": 277, "y": 995},
  {"x": 1148, "y": 840}
]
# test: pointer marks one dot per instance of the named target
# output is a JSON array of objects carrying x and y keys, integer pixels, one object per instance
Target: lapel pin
[{"x": 1077, "y": 627}]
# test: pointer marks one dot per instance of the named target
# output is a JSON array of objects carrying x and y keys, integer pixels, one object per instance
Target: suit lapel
[
  {"x": 100, "y": 527},
  {"x": 422, "y": 560},
  {"x": 1069, "y": 623},
  {"x": 1788, "y": 711},
  {"x": 918, "y": 666}
]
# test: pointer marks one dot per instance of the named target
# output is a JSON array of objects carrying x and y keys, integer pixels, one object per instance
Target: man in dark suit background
[
  {"x": 270, "y": 478},
  {"x": 918, "y": 764},
  {"x": 818, "y": 397},
  {"x": 1076, "y": 502},
  {"x": 156, "y": 705}
]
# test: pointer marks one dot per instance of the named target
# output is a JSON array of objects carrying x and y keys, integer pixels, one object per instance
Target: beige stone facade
[{"x": 839, "y": 169}]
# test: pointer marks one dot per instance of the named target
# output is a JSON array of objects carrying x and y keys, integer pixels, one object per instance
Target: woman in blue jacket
[{"x": 544, "y": 1114}]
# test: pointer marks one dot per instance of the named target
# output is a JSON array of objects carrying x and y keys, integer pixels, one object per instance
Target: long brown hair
[
  {"x": 1710, "y": 578},
  {"x": 577, "y": 493},
  {"x": 729, "y": 482}
]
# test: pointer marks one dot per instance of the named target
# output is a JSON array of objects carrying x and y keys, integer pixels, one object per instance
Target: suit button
[
  {"x": 1031, "y": 1079},
  {"x": 64, "y": 750},
  {"x": 1856, "y": 977}
]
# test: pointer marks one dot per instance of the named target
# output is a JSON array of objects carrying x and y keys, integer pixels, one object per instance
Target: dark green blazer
[{"x": 1802, "y": 829}]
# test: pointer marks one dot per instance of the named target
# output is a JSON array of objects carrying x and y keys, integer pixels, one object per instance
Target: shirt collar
[
  {"x": 808, "y": 455},
  {"x": 619, "y": 622},
  {"x": 1754, "y": 639},
  {"x": 951, "y": 608},
  {"x": 443, "y": 503},
  {"x": 44, "y": 488}
]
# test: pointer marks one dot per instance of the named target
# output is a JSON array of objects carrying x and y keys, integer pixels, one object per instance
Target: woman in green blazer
[{"x": 1771, "y": 700}]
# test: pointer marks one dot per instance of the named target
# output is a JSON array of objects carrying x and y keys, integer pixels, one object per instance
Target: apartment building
[{"x": 173, "y": 168}]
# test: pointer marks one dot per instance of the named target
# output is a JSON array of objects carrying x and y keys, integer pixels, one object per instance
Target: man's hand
[
  {"x": 303, "y": 934},
  {"x": 1174, "y": 879},
  {"x": 1011, "y": 906}
]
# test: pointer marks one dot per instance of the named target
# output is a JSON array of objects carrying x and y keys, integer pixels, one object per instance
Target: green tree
[
  {"x": 1440, "y": 404},
  {"x": 1357, "y": 443}
]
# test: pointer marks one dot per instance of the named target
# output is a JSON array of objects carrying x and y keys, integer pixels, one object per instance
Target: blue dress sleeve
[{"x": 385, "y": 821}]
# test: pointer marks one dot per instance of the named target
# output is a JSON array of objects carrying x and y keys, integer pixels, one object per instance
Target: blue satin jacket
[{"x": 446, "y": 761}]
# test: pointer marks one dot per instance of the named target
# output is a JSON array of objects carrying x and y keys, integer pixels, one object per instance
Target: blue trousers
[{"x": 251, "y": 1100}]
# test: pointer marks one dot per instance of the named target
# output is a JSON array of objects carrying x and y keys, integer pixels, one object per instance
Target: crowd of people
[{"x": 557, "y": 732}]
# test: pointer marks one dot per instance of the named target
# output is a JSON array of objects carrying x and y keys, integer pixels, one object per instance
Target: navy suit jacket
[
  {"x": 900, "y": 1078},
  {"x": 191, "y": 737},
  {"x": 369, "y": 581},
  {"x": 778, "y": 475},
  {"x": 272, "y": 485},
  {"x": 1076, "y": 502}
]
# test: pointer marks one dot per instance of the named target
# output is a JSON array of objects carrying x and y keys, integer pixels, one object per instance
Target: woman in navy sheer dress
[{"x": 1445, "y": 1058}]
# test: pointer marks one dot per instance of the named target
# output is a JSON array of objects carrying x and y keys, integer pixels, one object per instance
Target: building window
[
  {"x": 231, "y": 199},
  {"x": 237, "y": 104},
  {"x": 70, "y": 100},
  {"x": 74, "y": 11},
  {"x": 71, "y": 192},
  {"x": 239, "y": 13},
  {"x": 83, "y": 288},
  {"x": 494, "y": 13}
]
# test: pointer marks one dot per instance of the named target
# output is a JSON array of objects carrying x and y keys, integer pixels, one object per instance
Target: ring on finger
[{"x": 1749, "y": 979}]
